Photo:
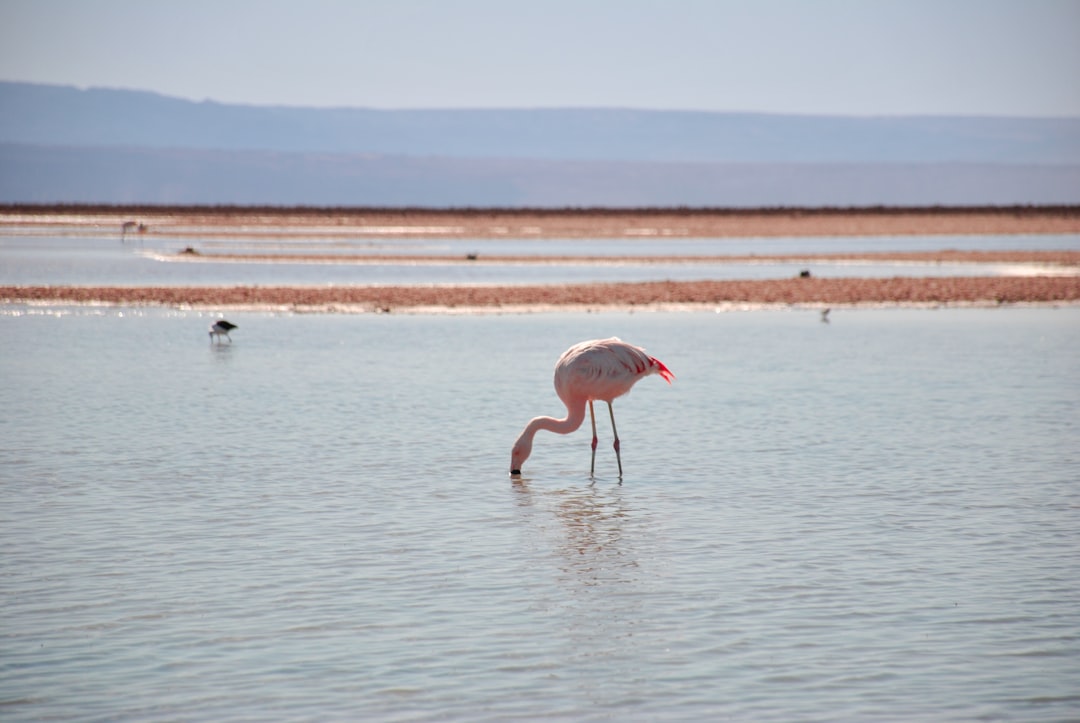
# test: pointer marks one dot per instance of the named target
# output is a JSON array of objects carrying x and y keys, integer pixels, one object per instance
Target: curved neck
[{"x": 575, "y": 415}]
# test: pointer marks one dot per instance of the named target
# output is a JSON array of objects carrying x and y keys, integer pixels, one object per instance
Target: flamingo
[
  {"x": 599, "y": 369},
  {"x": 222, "y": 328}
]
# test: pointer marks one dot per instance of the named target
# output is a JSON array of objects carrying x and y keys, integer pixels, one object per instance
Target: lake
[{"x": 870, "y": 519}]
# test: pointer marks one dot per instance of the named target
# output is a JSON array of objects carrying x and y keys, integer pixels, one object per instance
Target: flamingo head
[{"x": 522, "y": 450}]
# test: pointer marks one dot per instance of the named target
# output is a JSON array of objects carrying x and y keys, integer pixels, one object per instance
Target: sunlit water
[
  {"x": 29, "y": 259},
  {"x": 874, "y": 518}
]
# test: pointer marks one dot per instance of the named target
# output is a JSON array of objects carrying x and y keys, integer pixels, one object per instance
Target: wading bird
[
  {"x": 600, "y": 369},
  {"x": 220, "y": 329}
]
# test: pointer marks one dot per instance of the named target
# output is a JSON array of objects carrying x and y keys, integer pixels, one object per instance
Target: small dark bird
[
  {"x": 222, "y": 328},
  {"x": 825, "y": 315}
]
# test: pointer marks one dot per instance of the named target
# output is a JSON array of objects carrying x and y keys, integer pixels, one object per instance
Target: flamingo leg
[
  {"x": 592, "y": 464},
  {"x": 615, "y": 432}
]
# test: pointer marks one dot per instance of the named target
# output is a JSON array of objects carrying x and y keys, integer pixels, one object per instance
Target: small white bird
[{"x": 222, "y": 328}]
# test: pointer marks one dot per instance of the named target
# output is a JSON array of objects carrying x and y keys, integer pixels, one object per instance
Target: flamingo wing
[{"x": 604, "y": 369}]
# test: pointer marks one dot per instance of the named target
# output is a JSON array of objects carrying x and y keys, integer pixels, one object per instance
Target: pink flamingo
[{"x": 598, "y": 369}]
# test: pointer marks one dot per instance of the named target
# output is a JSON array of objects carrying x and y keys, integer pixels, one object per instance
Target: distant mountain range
[{"x": 62, "y": 144}]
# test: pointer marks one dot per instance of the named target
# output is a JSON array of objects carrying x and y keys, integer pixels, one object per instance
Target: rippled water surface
[{"x": 875, "y": 518}]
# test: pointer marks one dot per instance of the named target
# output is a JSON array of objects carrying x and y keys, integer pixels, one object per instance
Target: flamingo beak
[{"x": 515, "y": 473}]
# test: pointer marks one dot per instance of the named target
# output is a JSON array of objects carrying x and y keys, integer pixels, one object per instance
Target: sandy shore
[
  {"x": 200, "y": 222},
  {"x": 540, "y": 223},
  {"x": 981, "y": 291}
]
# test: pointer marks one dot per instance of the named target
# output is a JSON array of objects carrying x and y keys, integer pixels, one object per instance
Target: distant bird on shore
[
  {"x": 599, "y": 369},
  {"x": 221, "y": 329},
  {"x": 131, "y": 226},
  {"x": 825, "y": 315}
]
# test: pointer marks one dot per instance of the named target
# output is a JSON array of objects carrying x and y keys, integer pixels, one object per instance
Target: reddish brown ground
[
  {"x": 993, "y": 290},
  {"x": 554, "y": 223}
]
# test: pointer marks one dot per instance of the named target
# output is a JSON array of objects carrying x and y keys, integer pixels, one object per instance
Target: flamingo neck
[{"x": 575, "y": 415}]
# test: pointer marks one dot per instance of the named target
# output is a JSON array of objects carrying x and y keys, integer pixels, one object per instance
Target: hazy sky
[{"x": 865, "y": 57}]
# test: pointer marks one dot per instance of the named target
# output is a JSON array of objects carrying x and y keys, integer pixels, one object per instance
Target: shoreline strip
[
  {"x": 532, "y": 223},
  {"x": 897, "y": 291}
]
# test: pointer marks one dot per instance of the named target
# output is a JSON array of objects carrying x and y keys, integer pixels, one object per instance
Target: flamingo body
[{"x": 601, "y": 369}]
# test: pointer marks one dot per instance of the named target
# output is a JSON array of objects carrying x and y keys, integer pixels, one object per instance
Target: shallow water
[
  {"x": 873, "y": 518},
  {"x": 155, "y": 261}
]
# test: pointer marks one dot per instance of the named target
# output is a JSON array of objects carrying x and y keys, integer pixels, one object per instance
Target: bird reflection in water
[
  {"x": 595, "y": 590},
  {"x": 591, "y": 539}
]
